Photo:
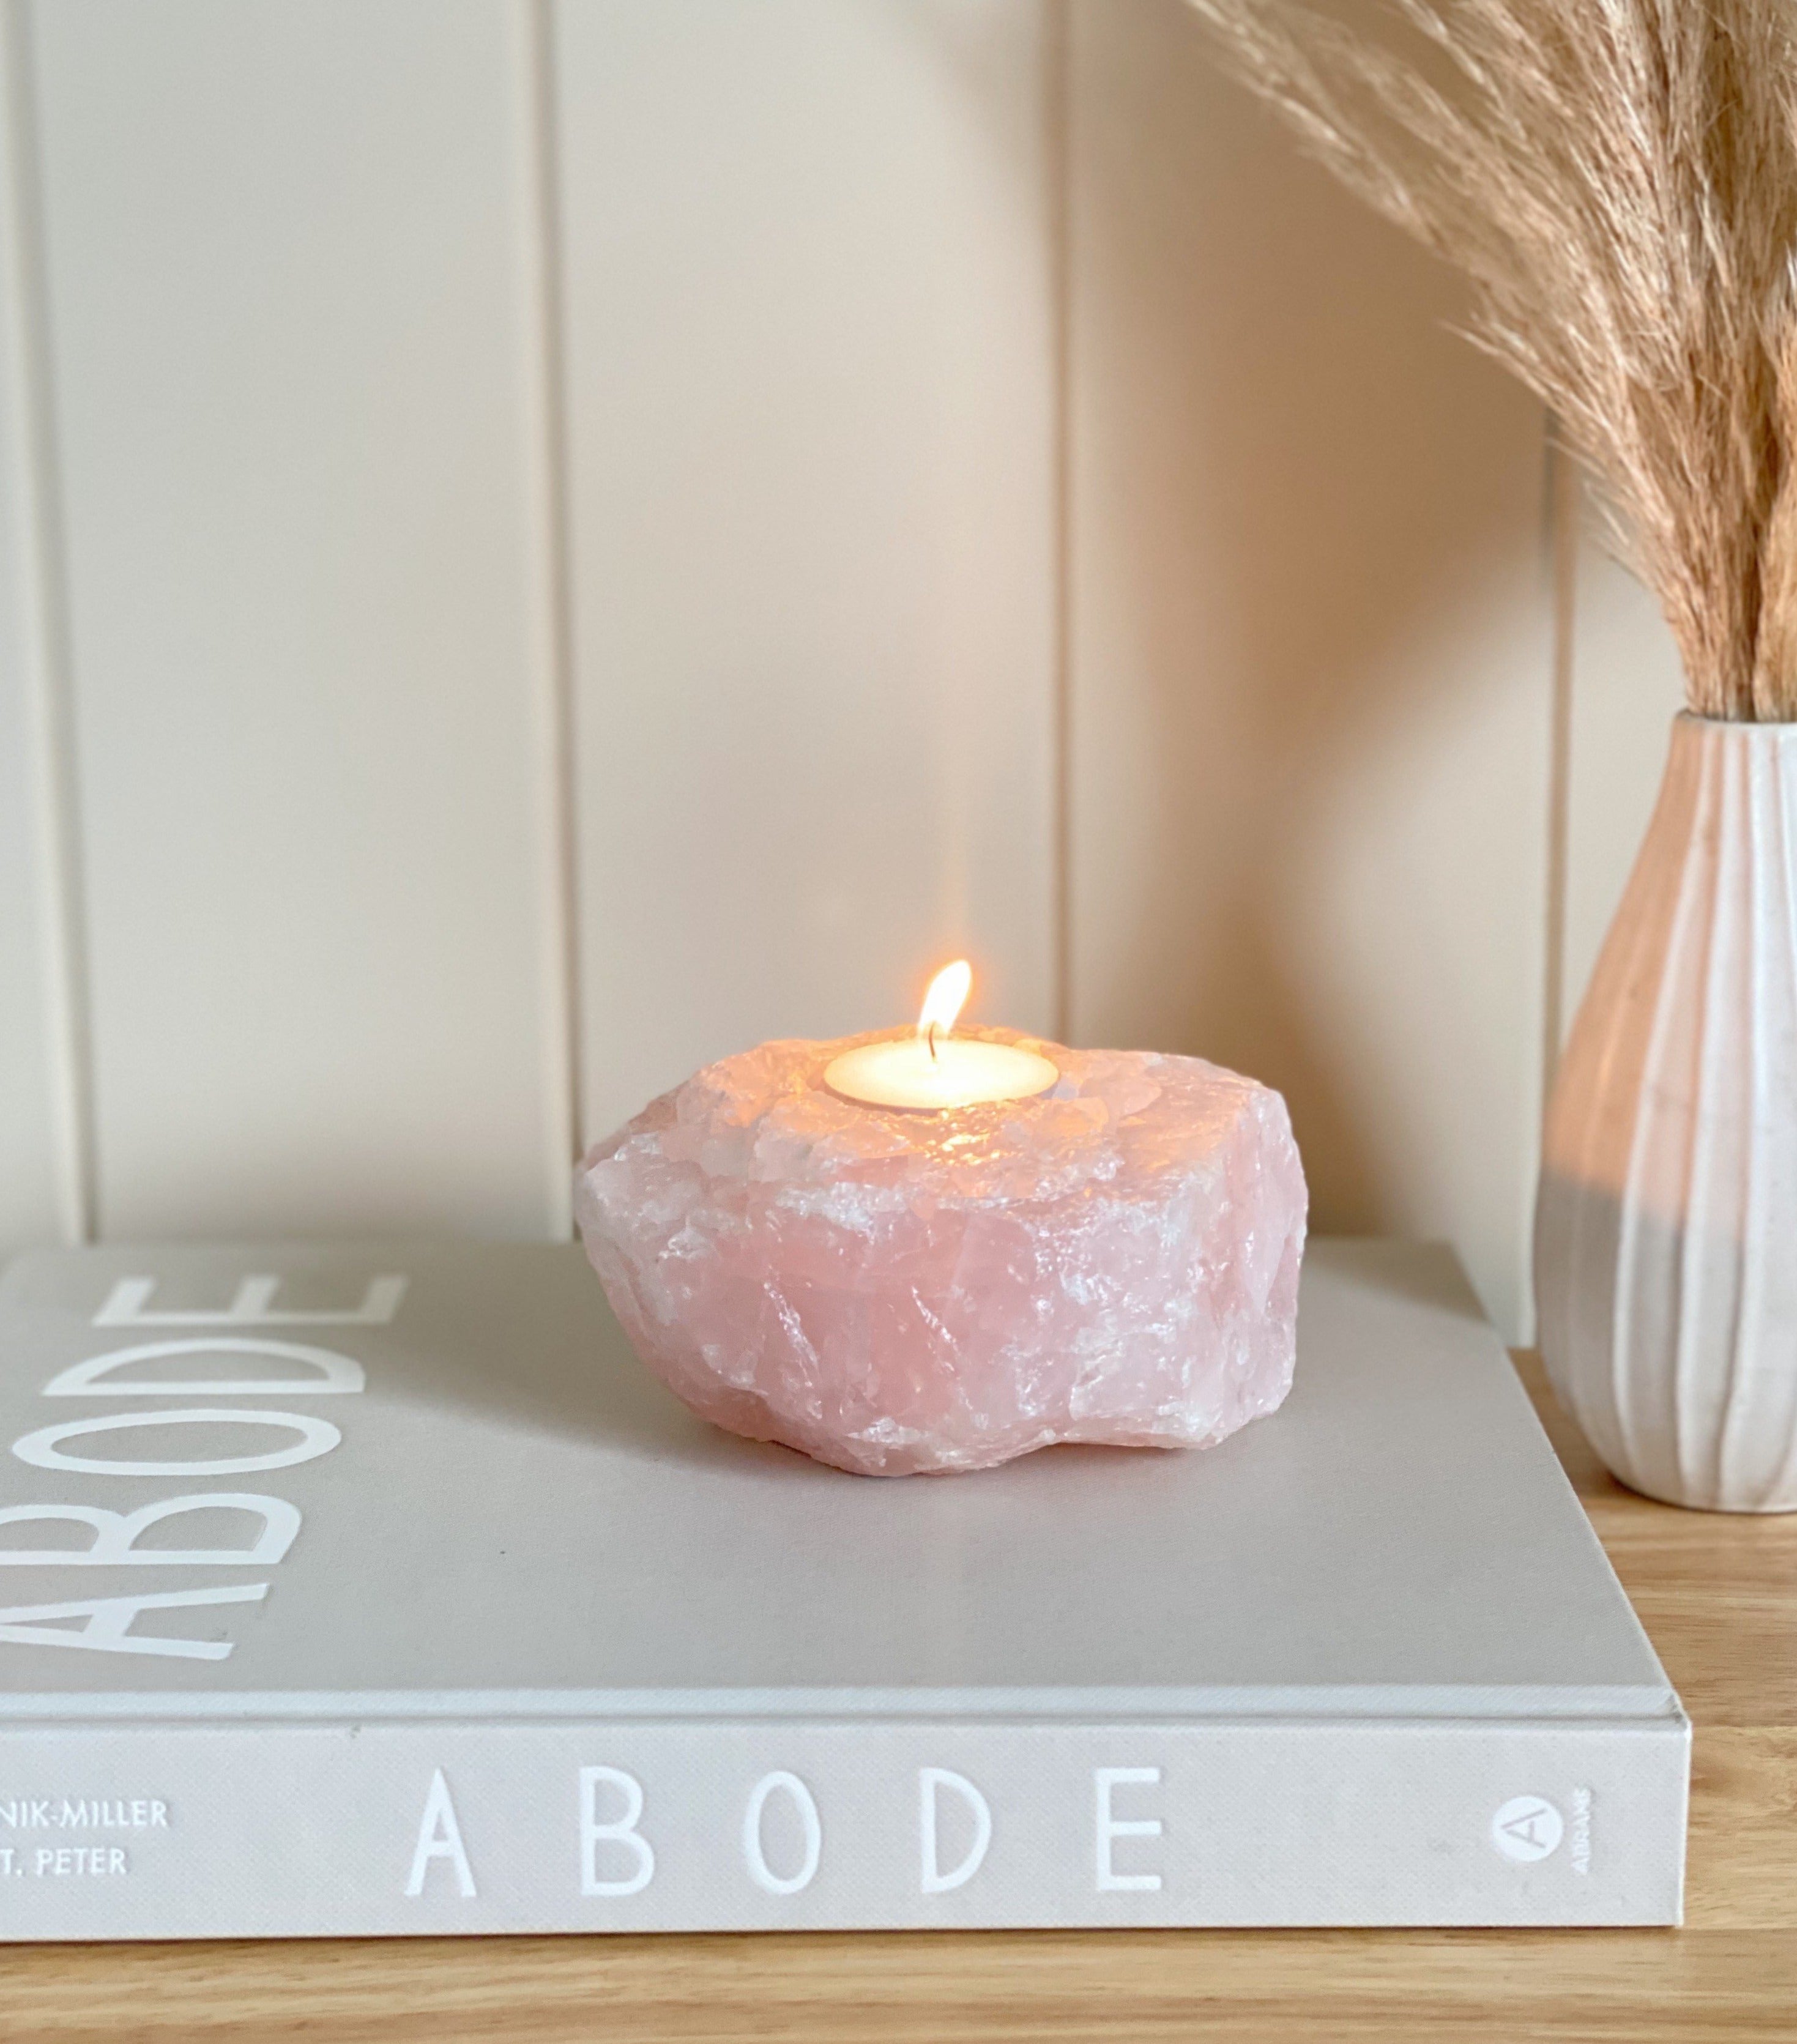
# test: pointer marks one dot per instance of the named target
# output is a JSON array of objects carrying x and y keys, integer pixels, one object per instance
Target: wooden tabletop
[{"x": 1719, "y": 1596}]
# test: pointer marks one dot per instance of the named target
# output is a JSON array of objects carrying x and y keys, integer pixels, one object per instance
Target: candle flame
[{"x": 945, "y": 999}]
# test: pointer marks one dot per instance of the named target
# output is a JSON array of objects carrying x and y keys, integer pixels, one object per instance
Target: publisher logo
[{"x": 1528, "y": 1827}]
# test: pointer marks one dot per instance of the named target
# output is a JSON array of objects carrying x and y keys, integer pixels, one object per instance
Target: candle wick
[{"x": 931, "y": 1041}]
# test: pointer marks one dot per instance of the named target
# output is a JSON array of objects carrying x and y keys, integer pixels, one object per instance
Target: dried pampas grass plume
[{"x": 1618, "y": 179}]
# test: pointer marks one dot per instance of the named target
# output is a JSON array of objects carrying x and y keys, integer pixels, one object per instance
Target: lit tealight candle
[{"x": 933, "y": 1068}]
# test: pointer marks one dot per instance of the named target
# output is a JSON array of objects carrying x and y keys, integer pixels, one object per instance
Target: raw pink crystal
[{"x": 893, "y": 1292}]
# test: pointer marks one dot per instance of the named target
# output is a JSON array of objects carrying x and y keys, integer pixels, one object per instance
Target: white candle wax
[
  {"x": 933, "y": 1069},
  {"x": 963, "y": 1072}
]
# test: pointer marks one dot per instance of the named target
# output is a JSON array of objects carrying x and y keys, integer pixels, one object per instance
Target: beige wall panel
[
  {"x": 292, "y": 353},
  {"x": 1310, "y": 655},
  {"x": 809, "y": 374},
  {"x": 1627, "y": 685}
]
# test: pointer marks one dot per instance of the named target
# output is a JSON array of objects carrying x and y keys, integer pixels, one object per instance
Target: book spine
[{"x": 296, "y": 1830}]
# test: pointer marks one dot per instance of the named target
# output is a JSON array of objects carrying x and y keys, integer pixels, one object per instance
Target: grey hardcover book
[{"x": 377, "y": 1589}]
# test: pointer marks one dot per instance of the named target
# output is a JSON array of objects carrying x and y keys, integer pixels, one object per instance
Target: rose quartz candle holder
[{"x": 896, "y": 1291}]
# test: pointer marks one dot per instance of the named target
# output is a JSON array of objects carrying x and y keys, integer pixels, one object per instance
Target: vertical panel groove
[
  {"x": 1562, "y": 508},
  {"x": 1057, "y": 72},
  {"x": 1564, "y": 505},
  {"x": 564, "y": 1124},
  {"x": 47, "y": 682}
]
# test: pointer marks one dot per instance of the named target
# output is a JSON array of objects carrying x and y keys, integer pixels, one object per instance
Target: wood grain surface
[{"x": 1719, "y": 1596}]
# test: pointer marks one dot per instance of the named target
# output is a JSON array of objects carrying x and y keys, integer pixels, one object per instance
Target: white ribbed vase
[{"x": 1666, "y": 1228}]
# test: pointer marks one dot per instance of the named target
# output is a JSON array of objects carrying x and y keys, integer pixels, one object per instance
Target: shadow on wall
[{"x": 1311, "y": 650}]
